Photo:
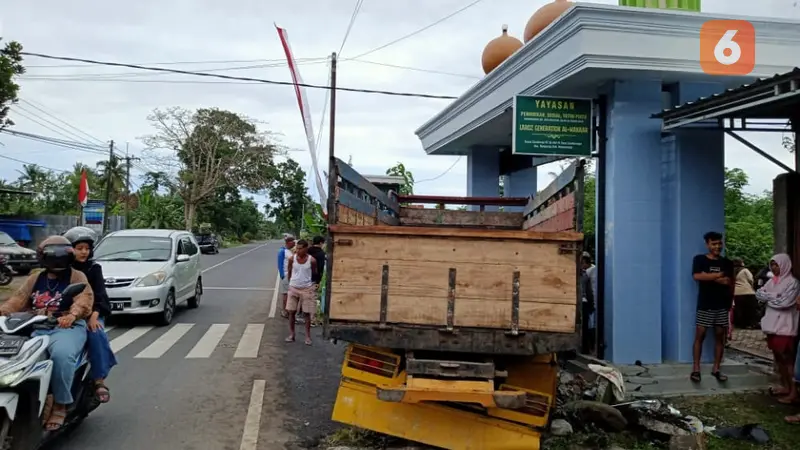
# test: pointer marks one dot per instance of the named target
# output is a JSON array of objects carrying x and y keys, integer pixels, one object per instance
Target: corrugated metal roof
[{"x": 743, "y": 89}]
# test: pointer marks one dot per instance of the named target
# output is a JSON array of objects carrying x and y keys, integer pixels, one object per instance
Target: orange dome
[
  {"x": 544, "y": 17},
  {"x": 498, "y": 50}
]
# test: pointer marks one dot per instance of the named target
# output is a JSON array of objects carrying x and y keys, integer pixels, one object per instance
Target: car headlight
[
  {"x": 154, "y": 279},
  {"x": 11, "y": 378}
]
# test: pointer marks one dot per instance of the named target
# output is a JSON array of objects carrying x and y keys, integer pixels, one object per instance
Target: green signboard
[
  {"x": 686, "y": 5},
  {"x": 552, "y": 126}
]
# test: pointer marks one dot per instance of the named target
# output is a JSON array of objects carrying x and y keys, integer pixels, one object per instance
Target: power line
[
  {"x": 415, "y": 69},
  {"x": 414, "y": 33},
  {"x": 32, "y": 164},
  {"x": 177, "y": 63},
  {"x": 228, "y": 77},
  {"x": 41, "y": 107},
  {"x": 441, "y": 174},
  {"x": 73, "y": 145},
  {"x": 49, "y": 125},
  {"x": 350, "y": 25},
  {"x": 113, "y": 75}
]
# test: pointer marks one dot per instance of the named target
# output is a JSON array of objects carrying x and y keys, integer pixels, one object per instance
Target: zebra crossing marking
[
  {"x": 165, "y": 341},
  {"x": 129, "y": 337},
  {"x": 250, "y": 341},
  {"x": 209, "y": 342}
]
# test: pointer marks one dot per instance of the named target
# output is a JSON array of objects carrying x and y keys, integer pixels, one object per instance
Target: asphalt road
[{"x": 220, "y": 377}]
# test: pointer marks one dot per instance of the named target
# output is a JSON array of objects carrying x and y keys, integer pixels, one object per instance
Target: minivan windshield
[
  {"x": 133, "y": 248},
  {"x": 6, "y": 240}
]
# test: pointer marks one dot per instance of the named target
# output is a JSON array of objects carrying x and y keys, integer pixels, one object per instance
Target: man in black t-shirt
[{"x": 714, "y": 275}]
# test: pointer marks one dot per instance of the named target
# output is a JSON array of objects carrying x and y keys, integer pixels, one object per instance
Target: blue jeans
[
  {"x": 101, "y": 357},
  {"x": 66, "y": 345}
]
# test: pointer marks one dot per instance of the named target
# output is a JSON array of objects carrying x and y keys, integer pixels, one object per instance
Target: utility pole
[
  {"x": 128, "y": 160},
  {"x": 107, "y": 206},
  {"x": 332, "y": 174}
]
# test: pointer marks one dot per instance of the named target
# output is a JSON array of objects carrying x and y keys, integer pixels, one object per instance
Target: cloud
[{"x": 376, "y": 131}]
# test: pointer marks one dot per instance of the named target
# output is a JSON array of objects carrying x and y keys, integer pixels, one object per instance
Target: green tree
[
  {"x": 10, "y": 68},
  {"x": 289, "y": 196},
  {"x": 399, "y": 170},
  {"x": 210, "y": 148},
  {"x": 157, "y": 211}
]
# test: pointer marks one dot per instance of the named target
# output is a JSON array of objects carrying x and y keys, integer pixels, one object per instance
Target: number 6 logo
[{"x": 727, "y": 47}]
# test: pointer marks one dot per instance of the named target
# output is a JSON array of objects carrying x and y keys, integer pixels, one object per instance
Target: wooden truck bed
[{"x": 435, "y": 279}]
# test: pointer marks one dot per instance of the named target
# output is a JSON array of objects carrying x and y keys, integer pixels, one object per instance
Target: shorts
[
  {"x": 712, "y": 318},
  {"x": 283, "y": 286},
  {"x": 305, "y": 298},
  {"x": 782, "y": 345}
]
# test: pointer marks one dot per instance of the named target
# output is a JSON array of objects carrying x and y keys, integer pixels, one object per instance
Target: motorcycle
[
  {"x": 25, "y": 371},
  {"x": 6, "y": 274}
]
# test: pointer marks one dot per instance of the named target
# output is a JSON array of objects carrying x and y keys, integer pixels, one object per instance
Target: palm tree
[
  {"x": 156, "y": 180},
  {"x": 115, "y": 170},
  {"x": 31, "y": 176}
]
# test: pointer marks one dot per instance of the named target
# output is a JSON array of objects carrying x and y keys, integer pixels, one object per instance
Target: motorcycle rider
[
  {"x": 101, "y": 357},
  {"x": 42, "y": 292}
]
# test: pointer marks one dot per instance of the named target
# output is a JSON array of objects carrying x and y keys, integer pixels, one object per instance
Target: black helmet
[
  {"x": 55, "y": 253},
  {"x": 77, "y": 235}
]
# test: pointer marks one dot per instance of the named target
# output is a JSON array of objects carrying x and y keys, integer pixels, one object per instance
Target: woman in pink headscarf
[{"x": 781, "y": 320}]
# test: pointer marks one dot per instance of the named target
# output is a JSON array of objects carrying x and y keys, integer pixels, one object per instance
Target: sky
[{"x": 93, "y": 104}]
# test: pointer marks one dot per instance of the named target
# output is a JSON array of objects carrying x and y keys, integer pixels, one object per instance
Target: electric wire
[
  {"x": 177, "y": 63},
  {"x": 74, "y": 145},
  {"x": 116, "y": 76},
  {"x": 50, "y": 125},
  {"x": 414, "y": 33},
  {"x": 356, "y": 10},
  {"x": 38, "y": 106},
  {"x": 441, "y": 174},
  {"x": 28, "y": 163},
  {"x": 235, "y": 78}
]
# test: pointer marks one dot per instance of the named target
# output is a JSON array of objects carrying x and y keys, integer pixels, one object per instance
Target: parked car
[
  {"x": 22, "y": 260},
  {"x": 150, "y": 272},
  {"x": 208, "y": 242}
]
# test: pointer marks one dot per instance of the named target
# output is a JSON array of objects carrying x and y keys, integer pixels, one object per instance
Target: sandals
[
  {"x": 102, "y": 393},
  {"x": 792, "y": 420},
  {"x": 285, "y": 314},
  {"x": 56, "y": 419},
  {"x": 696, "y": 377},
  {"x": 289, "y": 339},
  {"x": 778, "y": 391},
  {"x": 719, "y": 376},
  {"x": 308, "y": 342}
]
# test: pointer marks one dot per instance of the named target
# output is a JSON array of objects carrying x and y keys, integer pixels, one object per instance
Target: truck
[{"x": 453, "y": 317}]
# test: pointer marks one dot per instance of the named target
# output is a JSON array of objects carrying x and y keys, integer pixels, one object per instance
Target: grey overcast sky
[{"x": 376, "y": 131}]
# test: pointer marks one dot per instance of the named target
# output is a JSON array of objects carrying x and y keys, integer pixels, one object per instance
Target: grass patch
[
  {"x": 733, "y": 410},
  {"x": 719, "y": 411},
  {"x": 230, "y": 243},
  {"x": 355, "y": 437}
]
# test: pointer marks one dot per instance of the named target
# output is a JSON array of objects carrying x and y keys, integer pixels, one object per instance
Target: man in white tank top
[{"x": 302, "y": 291}]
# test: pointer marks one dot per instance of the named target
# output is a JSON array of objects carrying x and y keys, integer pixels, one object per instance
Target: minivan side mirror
[{"x": 182, "y": 258}]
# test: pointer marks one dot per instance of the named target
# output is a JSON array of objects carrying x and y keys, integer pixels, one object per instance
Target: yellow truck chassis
[{"x": 376, "y": 393}]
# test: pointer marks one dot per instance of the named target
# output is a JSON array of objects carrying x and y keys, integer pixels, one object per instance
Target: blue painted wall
[
  {"x": 483, "y": 174},
  {"x": 633, "y": 223},
  {"x": 522, "y": 182},
  {"x": 693, "y": 197}
]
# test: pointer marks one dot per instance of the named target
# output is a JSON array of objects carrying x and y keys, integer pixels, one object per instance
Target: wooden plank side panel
[
  {"x": 418, "y": 282},
  {"x": 491, "y": 219}
]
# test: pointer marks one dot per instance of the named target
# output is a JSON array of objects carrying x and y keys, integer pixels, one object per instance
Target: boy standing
[
  {"x": 714, "y": 275},
  {"x": 302, "y": 291}
]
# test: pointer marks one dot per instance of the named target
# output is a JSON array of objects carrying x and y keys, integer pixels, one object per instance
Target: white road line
[
  {"x": 250, "y": 341},
  {"x": 108, "y": 329},
  {"x": 237, "y": 288},
  {"x": 252, "y": 422},
  {"x": 234, "y": 257},
  {"x": 128, "y": 337},
  {"x": 206, "y": 345},
  {"x": 274, "y": 306},
  {"x": 165, "y": 341}
]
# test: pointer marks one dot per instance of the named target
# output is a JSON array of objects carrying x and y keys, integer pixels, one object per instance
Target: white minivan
[{"x": 150, "y": 272}]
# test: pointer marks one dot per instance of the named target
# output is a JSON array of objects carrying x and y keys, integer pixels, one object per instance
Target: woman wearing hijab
[
  {"x": 781, "y": 320},
  {"x": 745, "y": 312}
]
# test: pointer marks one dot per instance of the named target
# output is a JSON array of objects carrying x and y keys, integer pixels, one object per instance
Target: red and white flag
[
  {"x": 83, "y": 189},
  {"x": 302, "y": 102}
]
